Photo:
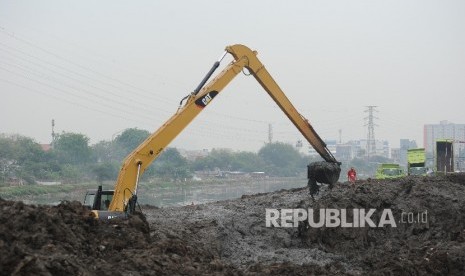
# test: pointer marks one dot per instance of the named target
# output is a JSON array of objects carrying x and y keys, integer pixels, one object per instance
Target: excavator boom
[
  {"x": 258, "y": 70},
  {"x": 136, "y": 163}
]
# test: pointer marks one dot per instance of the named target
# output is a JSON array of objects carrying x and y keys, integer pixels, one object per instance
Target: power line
[
  {"x": 201, "y": 132},
  {"x": 86, "y": 69},
  {"x": 104, "y": 83},
  {"x": 64, "y": 100},
  {"x": 10, "y": 50},
  {"x": 106, "y": 99}
]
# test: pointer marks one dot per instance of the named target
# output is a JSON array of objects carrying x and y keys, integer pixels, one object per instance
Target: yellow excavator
[{"x": 122, "y": 201}]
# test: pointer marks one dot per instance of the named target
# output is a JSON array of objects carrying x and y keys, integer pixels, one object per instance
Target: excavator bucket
[{"x": 322, "y": 172}]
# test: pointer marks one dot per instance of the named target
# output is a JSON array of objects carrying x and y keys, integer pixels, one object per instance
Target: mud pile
[
  {"x": 231, "y": 238},
  {"x": 64, "y": 240},
  {"x": 428, "y": 237}
]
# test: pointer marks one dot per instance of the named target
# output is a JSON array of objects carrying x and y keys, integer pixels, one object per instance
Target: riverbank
[{"x": 157, "y": 192}]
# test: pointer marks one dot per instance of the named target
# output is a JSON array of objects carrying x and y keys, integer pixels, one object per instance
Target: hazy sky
[{"x": 99, "y": 67}]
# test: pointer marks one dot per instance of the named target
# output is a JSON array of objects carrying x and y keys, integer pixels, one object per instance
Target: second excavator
[{"x": 124, "y": 197}]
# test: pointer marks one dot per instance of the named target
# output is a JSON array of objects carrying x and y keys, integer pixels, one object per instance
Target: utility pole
[
  {"x": 270, "y": 133},
  {"x": 53, "y": 134},
  {"x": 371, "y": 142}
]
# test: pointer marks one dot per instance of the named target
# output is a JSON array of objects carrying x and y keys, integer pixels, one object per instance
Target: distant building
[
  {"x": 405, "y": 145},
  {"x": 408, "y": 144},
  {"x": 330, "y": 144},
  {"x": 381, "y": 147},
  {"x": 443, "y": 130},
  {"x": 192, "y": 155},
  {"x": 356, "y": 148},
  {"x": 345, "y": 152},
  {"x": 395, "y": 155}
]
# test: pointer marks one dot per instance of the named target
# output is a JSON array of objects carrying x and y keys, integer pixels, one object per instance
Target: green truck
[
  {"x": 389, "y": 171},
  {"x": 416, "y": 159}
]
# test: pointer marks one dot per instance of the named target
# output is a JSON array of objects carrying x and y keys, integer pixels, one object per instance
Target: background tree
[
  {"x": 6, "y": 159},
  {"x": 73, "y": 148},
  {"x": 72, "y": 160},
  {"x": 281, "y": 159},
  {"x": 105, "y": 171},
  {"x": 102, "y": 151},
  {"x": 23, "y": 159},
  {"x": 217, "y": 159},
  {"x": 170, "y": 165},
  {"x": 247, "y": 162},
  {"x": 226, "y": 160},
  {"x": 105, "y": 166},
  {"x": 126, "y": 142}
]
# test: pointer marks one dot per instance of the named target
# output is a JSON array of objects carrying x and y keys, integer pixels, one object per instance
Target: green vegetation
[{"x": 72, "y": 160}]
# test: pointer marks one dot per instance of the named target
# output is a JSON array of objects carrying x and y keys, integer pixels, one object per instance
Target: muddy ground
[{"x": 231, "y": 238}]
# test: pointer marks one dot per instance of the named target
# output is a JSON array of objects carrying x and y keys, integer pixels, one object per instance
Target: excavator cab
[
  {"x": 98, "y": 199},
  {"x": 99, "y": 202}
]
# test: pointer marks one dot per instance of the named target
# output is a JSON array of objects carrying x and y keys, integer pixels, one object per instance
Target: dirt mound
[
  {"x": 427, "y": 235},
  {"x": 231, "y": 237},
  {"x": 65, "y": 240}
]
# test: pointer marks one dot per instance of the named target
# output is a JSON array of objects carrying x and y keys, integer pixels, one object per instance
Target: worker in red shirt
[{"x": 352, "y": 175}]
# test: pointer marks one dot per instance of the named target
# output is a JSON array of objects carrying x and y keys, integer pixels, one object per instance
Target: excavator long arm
[
  {"x": 137, "y": 162},
  {"x": 258, "y": 70}
]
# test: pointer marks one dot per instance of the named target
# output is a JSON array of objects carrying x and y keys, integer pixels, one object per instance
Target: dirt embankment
[
  {"x": 64, "y": 240},
  {"x": 230, "y": 237},
  {"x": 429, "y": 233}
]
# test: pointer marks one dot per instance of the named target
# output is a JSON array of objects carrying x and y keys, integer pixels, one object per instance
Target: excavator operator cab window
[
  {"x": 105, "y": 201},
  {"x": 89, "y": 199}
]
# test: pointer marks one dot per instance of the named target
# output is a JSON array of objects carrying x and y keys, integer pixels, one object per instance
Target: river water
[{"x": 181, "y": 194}]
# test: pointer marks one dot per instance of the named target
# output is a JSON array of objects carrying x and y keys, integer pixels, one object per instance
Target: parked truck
[
  {"x": 416, "y": 159},
  {"x": 444, "y": 156},
  {"x": 389, "y": 171}
]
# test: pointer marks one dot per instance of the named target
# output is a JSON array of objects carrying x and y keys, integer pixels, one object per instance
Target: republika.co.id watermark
[{"x": 349, "y": 218}]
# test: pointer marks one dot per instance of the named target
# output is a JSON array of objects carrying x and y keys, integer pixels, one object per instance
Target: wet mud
[{"x": 231, "y": 237}]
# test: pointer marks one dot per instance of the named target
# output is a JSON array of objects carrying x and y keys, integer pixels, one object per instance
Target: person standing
[{"x": 352, "y": 175}]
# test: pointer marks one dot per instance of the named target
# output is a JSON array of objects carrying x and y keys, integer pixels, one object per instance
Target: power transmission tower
[{"x": 371, "y": 142}]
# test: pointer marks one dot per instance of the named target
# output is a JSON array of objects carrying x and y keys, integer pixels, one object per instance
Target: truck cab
[
  {"x": 389, "y": 171},
  {"x": 418, "y": 171},
  {"x": 416, "y": 159}
]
